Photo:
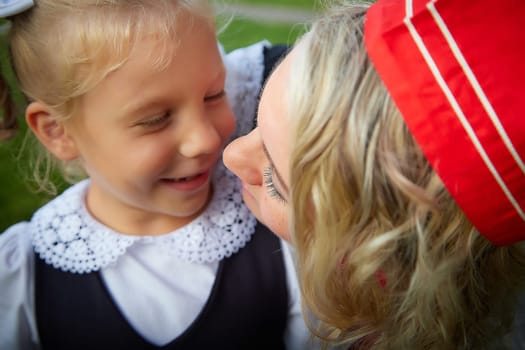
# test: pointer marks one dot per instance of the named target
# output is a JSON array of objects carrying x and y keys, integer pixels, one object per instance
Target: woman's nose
[{"x": 243, "y": 157}]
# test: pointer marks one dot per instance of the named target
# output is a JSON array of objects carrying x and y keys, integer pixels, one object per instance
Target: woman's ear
[{"x": 51, "y": 133}]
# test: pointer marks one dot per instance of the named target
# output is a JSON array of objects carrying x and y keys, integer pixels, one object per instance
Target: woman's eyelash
[{"x": 268, "y": 182}]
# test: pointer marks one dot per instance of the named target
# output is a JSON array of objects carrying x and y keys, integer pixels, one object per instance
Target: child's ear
[{"x": 51, "y": 133}]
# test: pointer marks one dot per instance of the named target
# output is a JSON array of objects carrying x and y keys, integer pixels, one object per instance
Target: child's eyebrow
[{"x": 277, "y": 174}]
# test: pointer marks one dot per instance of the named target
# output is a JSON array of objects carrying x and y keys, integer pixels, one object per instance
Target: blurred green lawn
[
  {"x": 305, "y": 4},
  {"x": 18, "y": 198}
]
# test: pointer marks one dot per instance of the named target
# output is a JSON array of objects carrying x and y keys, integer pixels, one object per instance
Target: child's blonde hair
[
  {"x": 386, "y": 259},
  {"x": 61, "y": 49}
]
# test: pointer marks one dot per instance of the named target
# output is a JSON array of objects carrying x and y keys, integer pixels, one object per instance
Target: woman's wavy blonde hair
[
  {"x": 61, "y": 49},
  {"x": 386, "y": 259}
]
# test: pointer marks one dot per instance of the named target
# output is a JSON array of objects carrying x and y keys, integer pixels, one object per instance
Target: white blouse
[{"x": 146, "y": 276}]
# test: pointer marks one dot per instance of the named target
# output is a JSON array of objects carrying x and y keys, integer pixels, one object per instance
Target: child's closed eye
[
  {"x": 156, "y": 121},
  {"x": 215, "y": 96}
]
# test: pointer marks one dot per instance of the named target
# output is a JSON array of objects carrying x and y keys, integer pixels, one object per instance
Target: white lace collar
[{"x": 66, "y": 236}]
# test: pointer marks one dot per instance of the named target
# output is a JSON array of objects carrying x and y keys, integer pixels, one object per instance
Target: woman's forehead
[{"x": 273, "y": 118}]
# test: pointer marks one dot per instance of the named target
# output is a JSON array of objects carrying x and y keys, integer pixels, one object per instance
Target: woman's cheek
[{"x": 274, "y": 215}]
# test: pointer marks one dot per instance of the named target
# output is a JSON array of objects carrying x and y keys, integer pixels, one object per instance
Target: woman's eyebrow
[{"x": 276, "y": 172}]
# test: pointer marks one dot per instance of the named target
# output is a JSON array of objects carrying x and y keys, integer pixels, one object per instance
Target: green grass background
[
  {"x": 18, "y": 196},
  {"x": 301, "y": 4}
]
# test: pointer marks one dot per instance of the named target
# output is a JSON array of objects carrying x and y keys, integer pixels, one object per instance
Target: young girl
[{"x": 156, "y": 249}]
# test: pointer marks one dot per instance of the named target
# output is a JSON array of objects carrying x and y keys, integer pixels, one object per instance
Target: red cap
[{"x": 456, "y": 71}]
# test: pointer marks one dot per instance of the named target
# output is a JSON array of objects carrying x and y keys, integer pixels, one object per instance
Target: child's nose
[
  {"x": 200, "y": 138},
  {"x": 242, "y": 157}
]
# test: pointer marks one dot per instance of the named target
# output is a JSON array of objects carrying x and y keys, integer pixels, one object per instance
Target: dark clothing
[{"x": 247, "y": 307}]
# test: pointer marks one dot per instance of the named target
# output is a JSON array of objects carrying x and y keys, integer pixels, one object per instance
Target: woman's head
[
  {"x": 385, "y": 256},
  {"x": 380, "y": 241}
]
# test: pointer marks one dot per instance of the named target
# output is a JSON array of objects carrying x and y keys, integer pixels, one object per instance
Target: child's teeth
[{"x": 186, "y": 178}]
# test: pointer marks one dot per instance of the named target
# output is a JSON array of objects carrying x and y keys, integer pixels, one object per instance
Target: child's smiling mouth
[
  {"x": 184, "y": 179},
  {"x": 188, "y": 183}
]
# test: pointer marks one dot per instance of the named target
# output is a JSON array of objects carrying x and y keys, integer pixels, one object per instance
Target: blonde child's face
[
  {"x": 150, "y": 139},
  {"x": 261, "y": 159}
]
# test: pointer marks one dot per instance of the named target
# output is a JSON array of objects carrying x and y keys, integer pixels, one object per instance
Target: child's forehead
[
  {"x": 150, "y": 52},
  {"x": 89, "y": 49},
  {"x": 161, "y": 48},
  {"x": 158, "y": 72},
  {"x": 114, "y": 42},
  {"x": 101, "y": 24}
]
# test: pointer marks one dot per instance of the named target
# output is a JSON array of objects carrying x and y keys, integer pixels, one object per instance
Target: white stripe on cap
[
  {"x": 475, "y": 84},
  {"x": 409, "y": 8},
  {"x": 456, "y": 107}
]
